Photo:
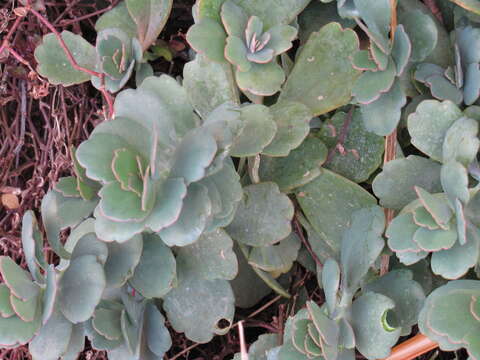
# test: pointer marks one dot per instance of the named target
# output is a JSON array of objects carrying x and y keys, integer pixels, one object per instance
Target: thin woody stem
[
  {"x": 73, "y": 62},
  {"x": 10, "y": 33},
  {"x": 67, "y": 52},
  {"x": 390, "y": 154}
]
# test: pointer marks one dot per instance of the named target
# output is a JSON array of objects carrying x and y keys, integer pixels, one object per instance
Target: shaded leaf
[
  {"x": 407, "y": 294},
  {"x": 263, "y": 216},
  {"x": 155, "y": 274},
  {"x": 327, "y": 55},
  {"x": 374, "y": 336},
  {"x": 362, "y": 150},
  {"x": 122, "y": 260},
  {"x": 328, "y": 202},
  {"x": 300, "y": 167},
  {"x": 150, "y": 17},
  {"x": 200, "y": 320},
  {"x": 211, "y": 257},
  {"x": 259, "y": 129},
  {"x": 292, "y": 119},
  {"x": 81, "y": 288},
  {"x": 382, "y": 116}
]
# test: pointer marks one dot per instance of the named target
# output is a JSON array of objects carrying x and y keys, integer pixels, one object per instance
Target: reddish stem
[
  {"x": 73, "y": 62},
  {"x": 10, "y": 32},
  {"x": 70, "y": 57},
  {"x": 390, "y": 154},
  {"x": 412, "y": 348}
]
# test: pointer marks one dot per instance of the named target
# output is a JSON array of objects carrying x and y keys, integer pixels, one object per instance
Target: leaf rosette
[
  {"x": 161, "y": 168},
  {"x": 246, "y": 41},
  {"x": 117, "y": 56}
]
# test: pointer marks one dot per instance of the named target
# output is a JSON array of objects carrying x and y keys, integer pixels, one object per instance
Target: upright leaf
[{"x": 150, "y": 17}]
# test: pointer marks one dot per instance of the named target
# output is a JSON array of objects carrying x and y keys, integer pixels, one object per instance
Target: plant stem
[
  {"x": 412, "y": 348},
  {"x": 73, "y": 62},
  {"x": 390, "y": 154}
]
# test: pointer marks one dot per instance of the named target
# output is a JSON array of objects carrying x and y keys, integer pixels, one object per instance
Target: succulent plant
[
  {"x": 451, "y": 316},
  {"x": 150, "y": 180},
  {"x": 458, "y": 82},
  {"x": 117, "y": 57},
  {"x": 124, "y": 33},
  {"x": 236, "y": 31},
  {"x": 342, "y": 323},
  {"x": 440, "y": 223}
]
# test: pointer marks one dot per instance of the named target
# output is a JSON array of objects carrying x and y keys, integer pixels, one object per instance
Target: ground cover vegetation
[{"x": 246, "y": 179}]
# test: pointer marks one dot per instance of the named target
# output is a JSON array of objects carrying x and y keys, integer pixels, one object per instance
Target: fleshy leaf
[
  {"x": 150, "y": 17},
  {"x": 400, "y": 234},
  {"x": 262, "y": 79},
  {"x": 200, "y": 320},
  {"x": 422, "y": 31},
  {"x": 58, "y": 213},
  {"x": 373, "y": 337},
  {"x": 402, "y": 49},
  {"x": 331, "y": 283},
  {"x": 449, "y": 316},
  {"x": 263, "y": 216},
  {"x": 122, "y": 260},
  {"x": 6, "y": 309},
  {"x": 117, "y": 17},
  {"x": 193, "y": 218},
  {"x": 277, "y": 257},
  {"x": 208, "y": 84},
  {"x": 456, "y": 261},
  {"x": 377, "y": 18},
  {"x": 25, "y": 310},
  {"x": 211, "y": 257},
  {"x": 362, "y": 151},
  {"x": 395, "y": 184},
  {"x": 292, "y": 119},
  {"x": 382, "y": 116},
  {"x": 32, "y": 243},
  {"x": 437, "y": 207},
  {"x": 454, "y": 178},
  {"x": 107, "y": 323},
  {"x": 81, "y": 288},
  {"x": 372, "y": 84},
  {"x": 207, "y": 37},
  {"x": 279, "y": 12},
  {"x": 259, "y": 129},
  {"x": 361, "y": 244},
  {"x": 157, "y": 336},
  {"x": 53, "y": 338},
  {"x": 155, "y": 274},
  {"x": 328, "y": 202},
  {"x": 407, "y": 294},
  {"x": 300, "y": 167},
  {"x": 461, "y": 143},
  {"x": 18, "y": 280},
  {"x": 54, "y": 64},
  {"x": 327, "y": 55},
  {"x": 429, "y": 124}
]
